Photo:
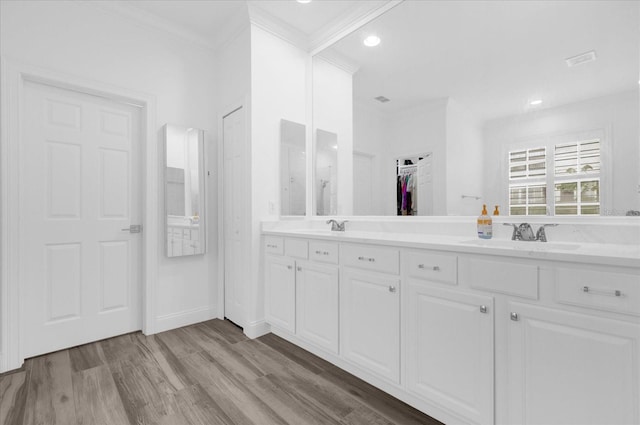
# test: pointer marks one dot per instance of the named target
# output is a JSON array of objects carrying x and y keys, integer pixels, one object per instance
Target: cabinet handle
[
  {"x": 290, "y": 267},
  {"x": 392, "y": 289},
  {"x": 299, "y": 268},
  {"x": 271, "y": 246},
  {"x": 515, "y": 317},
  {"x": 434, "y": 268},
  {"x": 322, "y": 252},
  {"x": 613, "y": 293},
  {"x": 483, "y": 309},
  {"x": 371, "y": 260}
]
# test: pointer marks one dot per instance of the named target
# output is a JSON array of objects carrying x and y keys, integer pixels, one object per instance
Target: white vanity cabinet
[
  {"x": 370, "y": 321},
  {"x": 466, "y": 337},
  {"x": 280, "y": 292},
  {"x": 448, "y": 348},
  {"x": 317, "y": 305}
]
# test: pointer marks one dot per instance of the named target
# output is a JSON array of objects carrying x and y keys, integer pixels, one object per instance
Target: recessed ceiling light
[
  {"x": 372, "y": 41},
  {"x": 304, "y": 1},
  {"x": 535, "y": 102}
]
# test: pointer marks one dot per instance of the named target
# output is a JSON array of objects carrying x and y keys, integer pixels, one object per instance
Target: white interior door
[
  {"x": 79, "y": 187},
  {"x": 234, "y": 200},
  {"x": 425, "y": 185},
  {"x": 362, "y": 184}
]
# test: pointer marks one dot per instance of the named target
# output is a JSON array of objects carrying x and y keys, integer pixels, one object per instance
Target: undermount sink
[{"x": 523, "y": 245}]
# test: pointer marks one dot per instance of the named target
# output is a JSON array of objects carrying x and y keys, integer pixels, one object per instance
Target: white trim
[
  {"x": 276, "y": 26},
  {"x": 343, "y": 28},
  {"x": 14, "y": 76},
  {"x": 179, "y": 319},
  {"x": 257, "y": 329}
]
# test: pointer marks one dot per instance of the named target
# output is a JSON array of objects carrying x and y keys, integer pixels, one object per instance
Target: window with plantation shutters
[{"x": 560, "y": 179}]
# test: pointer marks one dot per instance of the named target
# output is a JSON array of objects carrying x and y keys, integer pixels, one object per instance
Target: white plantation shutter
[{"x": 527, "y": 181}]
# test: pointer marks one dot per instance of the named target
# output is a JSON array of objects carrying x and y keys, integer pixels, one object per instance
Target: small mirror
[
  {"x": 326, "y": 177},
  {"x": 184, "y": 191},
  {"x": 293, "y": 169}
]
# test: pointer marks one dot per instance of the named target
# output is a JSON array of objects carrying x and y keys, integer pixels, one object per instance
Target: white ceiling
[{"x": 496, "y": 56}]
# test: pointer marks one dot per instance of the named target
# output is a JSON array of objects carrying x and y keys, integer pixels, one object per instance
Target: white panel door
[
  {"x": 425, "y": 185},
  {"x": 449, "y": 349},
  {"x": 79, "y": 187},
  {"x": 570, "y": 368},
  {"x": 362, "y": 184},
  {"x": 317, "y": 305},
  {"x": 235, "y": 199},
  {"x": 280, "y": 292},
  {"x": 370, "y": 321}
]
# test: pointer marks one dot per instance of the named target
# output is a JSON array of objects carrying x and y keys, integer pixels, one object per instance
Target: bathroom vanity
[{"x": 467, "y": 331}]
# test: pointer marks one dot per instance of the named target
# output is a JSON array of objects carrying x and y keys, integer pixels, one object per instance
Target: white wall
[
  {"x": 617, "y": 115},
  {"x": 465, "y": 166},
  {"x": 333, "y": 112},
  {"x": 278, "y": 91},
  {"x": 84, "y": 40}
]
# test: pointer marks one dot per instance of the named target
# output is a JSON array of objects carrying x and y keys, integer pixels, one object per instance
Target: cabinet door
[
  {"x": 280, "y": 292},
  {"x": 570, "y": 368},
  {"x": 449, "y": 349},
  {"x": 370, "y": 321},
  {"x": 317, "y": 305}
]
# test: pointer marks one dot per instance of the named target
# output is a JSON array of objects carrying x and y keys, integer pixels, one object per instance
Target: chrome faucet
[
  {"x": 524, "y": 232},
  {"x": 337, "y": 226}
]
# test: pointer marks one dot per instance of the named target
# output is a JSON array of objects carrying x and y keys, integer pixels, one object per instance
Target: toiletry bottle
[
  {"x": 485, "y": 227},
  {"x": 496, "y": 211}
]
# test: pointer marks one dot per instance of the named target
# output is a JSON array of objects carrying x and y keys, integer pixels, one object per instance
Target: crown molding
[
  {"x": 148, "y": 20},
  {"x": 276, "y": 26},
  {"x": 360, "y": 15},
  {"x": 333, "y": 57}
]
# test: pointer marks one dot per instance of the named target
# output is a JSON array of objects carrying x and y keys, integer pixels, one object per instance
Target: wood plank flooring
[{"x": 207, "y": 374}]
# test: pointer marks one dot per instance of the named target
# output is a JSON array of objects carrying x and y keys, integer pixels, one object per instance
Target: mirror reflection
[
  {"x": 293, "y": 168},
  {"x": 326, "y": 175},
  {"x": 532, "y": 106},
  {"x": 184, "y": 191}
]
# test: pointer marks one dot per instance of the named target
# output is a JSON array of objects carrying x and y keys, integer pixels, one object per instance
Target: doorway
[
  {"x": 80, "y": 194},
  {"x": 236, "y": 171},
  {"x": 414, "y": 184}
]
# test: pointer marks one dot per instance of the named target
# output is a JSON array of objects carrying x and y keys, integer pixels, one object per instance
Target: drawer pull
[
  {"x": 299, "y": 268},
  {"x": 371, "y": 260},
  {"x": 514, "y": 317},
  {"x": 434, "y": 268},
  {"x": 483, "y": 309},
  {"x": 392, "y": 289},
  {"x": 614, "y": 293},
  {"x": 271, "y": 246},
  {"x": 322, "y": 252},
  {"x": 290, "y": 267}
]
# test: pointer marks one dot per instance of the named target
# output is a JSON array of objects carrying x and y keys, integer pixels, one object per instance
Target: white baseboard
[
  {"x": 257, "y": 329},
  {"x": 184, "y": 318}
]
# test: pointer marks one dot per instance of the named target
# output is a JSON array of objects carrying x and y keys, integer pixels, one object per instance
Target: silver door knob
[
  {"x": 515, "y": 317},
  {"x": 483, "y": 309},
  {"x": 392, "y": 289},
  {"x": 134, "y": 228}
]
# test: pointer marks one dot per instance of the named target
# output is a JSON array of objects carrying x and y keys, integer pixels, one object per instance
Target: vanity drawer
[
  {"x": 509, "y": 277},
  {"x": 296, "y": 248},
  {"x": 599, "y": 289},
  {"x": 374, "y": 258},
  {"x": 431, "y": 266},
  {"x": 273, "y": 245},
  {"x": 325, "y": 252}
]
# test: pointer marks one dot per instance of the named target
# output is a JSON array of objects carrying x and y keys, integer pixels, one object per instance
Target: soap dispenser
[
  {"x": 496, "y": 211},
  {"x": 485, "y": 224}
]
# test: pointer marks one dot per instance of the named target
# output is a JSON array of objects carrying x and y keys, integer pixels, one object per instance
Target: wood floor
[{"x": 208, "y": 374}]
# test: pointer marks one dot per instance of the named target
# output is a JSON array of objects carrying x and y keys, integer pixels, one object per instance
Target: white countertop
[{"x": 624, "y": 255}]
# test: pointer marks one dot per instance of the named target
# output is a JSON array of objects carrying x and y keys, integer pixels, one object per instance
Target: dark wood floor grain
[{"x": 205, "y": 374}]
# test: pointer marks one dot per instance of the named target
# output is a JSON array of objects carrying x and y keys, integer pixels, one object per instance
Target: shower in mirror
[
  {"x": 184, "y": 191},
  {"x": 293, "y": 170},
  {"x": 326, "y": 177}
]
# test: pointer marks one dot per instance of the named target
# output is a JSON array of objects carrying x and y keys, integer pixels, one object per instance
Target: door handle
[{"x": 134, "y": 228}]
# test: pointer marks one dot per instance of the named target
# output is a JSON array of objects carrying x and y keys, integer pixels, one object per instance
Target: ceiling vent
[
  {"x": 382, "y": 99},
  {"x": 581, "y": 58}
]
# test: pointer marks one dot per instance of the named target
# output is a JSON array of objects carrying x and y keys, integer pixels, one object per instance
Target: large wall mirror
[
  {"x": 529, "y": 105},
  {"x": 293, "y": 168},
  {"x": 184, "y": 191}
]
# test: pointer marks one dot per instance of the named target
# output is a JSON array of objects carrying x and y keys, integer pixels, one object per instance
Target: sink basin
[{"x": 523, "y": 245}]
